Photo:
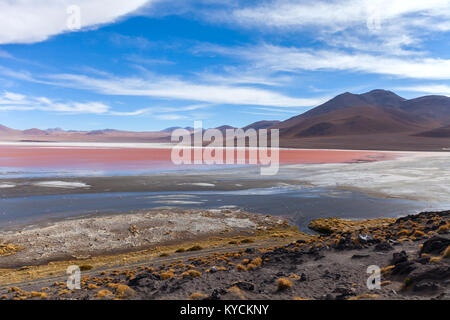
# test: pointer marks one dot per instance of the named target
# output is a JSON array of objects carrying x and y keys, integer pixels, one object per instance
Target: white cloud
[
  {"x": 175, "y": 89},
  {"x": 394, "y": 26},
  {"x": 336, "y": 15},
  {"x": 10, "y": 101},
  {"x": 28, "y": 21},
  {"x": 436, "y": 89}
]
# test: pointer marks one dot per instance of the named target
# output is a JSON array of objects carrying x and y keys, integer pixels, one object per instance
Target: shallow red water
[{"x": 147, "y": 159}]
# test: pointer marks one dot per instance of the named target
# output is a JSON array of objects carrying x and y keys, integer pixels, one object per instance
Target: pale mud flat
[
  {"x": 421, "y": 176},
  {"x": 107, "y": 234}
]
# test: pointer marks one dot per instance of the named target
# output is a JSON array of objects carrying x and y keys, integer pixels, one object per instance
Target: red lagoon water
[{"x": 140, "y": 159}]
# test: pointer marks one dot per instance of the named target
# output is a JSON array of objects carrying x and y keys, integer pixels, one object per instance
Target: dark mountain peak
[
  {"x": 381, "y": 92},
  {"x": 374, "y": 98},
  {"x": 383, "y": 98},
  {"x": 344, "y": 100}
]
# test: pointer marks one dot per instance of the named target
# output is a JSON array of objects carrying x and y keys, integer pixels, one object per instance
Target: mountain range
[{"x": 378, "y": 119}]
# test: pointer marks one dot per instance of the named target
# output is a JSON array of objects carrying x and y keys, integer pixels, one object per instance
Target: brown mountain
[
  {"x": 376, "y": 119},
  {"x": 374, "y": 112},
  {"x": 431, "y": 107},
  {"x": 442, "y": 132}
]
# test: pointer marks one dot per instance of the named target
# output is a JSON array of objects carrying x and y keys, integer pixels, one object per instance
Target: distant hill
[
  {"x": 262, "y": 124},
  {"x": 171, "y": 129},
  {"x": 35, "y": 132}
]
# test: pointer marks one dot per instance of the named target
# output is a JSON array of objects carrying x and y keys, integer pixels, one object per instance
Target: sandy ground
[{"x": 88, "y": 236}]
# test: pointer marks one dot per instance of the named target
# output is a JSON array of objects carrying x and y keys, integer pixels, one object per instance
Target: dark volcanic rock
[
  {"x": 426, "y": 286},
  {"x": 217, "y": 294},
  {"x": 435, "y": 244},
  {"x": 143, "y": 279},
  {"x": 245, "y": 285},
  {"x": 431, "y": 273},
  {"x": 399, "y": 257},
  {"x": 347, "y": 243},
  {"x": 360, "y": 256},
  {"x": 404, "y": 268},
  {"x": 383, "y": 246},
  {"x": 343, "y": 293}
]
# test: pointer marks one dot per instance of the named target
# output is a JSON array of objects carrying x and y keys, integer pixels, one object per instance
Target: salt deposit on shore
[
  {"x": 6, "y": 185},
  {"x": 423, "y": 176},
  {"x": 61, "y": 184}
]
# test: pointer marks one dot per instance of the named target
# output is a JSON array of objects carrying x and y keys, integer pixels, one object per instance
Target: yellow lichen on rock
[
  {"x": 335, "y": 225},
  {"x": 283, "y": 284},
  {"x": 197, "y": 296},
  {"x": 191, "y": 273},
  {"x": 104, "y": 294},
  {"x": 446, "y": 253},
  {"x": 123, "y": 291},
  {"x": 9, "y": 249}
]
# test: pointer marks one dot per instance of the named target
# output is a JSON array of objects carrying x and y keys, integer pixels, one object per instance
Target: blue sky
[{"x": 146, "y": 65}]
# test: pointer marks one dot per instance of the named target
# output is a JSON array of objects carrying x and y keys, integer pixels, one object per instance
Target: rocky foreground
[{"x": 412, "y": 254}]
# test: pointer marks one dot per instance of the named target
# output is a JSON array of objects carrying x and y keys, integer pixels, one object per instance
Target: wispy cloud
[
  {"x": 176, "y": 89},
  {"x": 5, "y": 54},
  {"x": 136, "y": 59},
  {"x": 292, "y": 59},
  {"x": 130, "y": 41}
]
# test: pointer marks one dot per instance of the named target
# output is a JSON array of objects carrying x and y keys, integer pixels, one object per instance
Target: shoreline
[{"x": 159, "y": 145}]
